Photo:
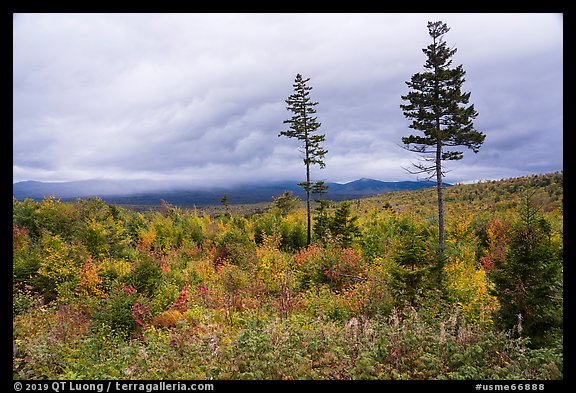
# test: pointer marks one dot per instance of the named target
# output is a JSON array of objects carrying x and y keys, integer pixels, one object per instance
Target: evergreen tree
[
  {"x": 528, "y": 281},
  {"x": 224, "y": 200},
  {"x": 304, "y": 127},
  {"x": 411, "y": 275},
  {"x": 439, "y": 109},
  {"x": 286, "y": 202},
  {"x": 343, "y": 226},
  {"x": 322, "y": 220}
]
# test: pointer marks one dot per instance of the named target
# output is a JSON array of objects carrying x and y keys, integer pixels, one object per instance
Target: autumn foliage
[{"x": 101, "y": 291}]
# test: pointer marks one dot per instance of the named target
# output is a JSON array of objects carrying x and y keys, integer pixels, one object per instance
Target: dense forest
[{"x": 105, "y": 292}]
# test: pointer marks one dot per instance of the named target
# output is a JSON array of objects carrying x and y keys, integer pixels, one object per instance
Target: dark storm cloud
[{"x": 200, "y": 97}]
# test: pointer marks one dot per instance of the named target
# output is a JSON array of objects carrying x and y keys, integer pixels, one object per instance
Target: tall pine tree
[
  {"x": 439, "y": 109},
  {"x": 304, "y": 127}
]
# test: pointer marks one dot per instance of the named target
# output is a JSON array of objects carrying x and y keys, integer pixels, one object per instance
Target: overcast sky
[{"x": 200, "y": 98}]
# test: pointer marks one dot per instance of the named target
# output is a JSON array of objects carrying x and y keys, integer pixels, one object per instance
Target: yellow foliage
[
  {"x": 148, "y": 237},
  {"x": 269, "y": 257},
  {"x": 470, "y": 286},
  {"x": 57, "y": 264},
  {"x": 195, "y": 314},
  {"x": 115, "y": 228},
  {"x": 90, "y": 281},
  {"x": 459, "y": 229}
]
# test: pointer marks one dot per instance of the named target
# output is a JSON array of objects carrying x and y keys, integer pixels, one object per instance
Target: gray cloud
[{"x": 200, "y": 97}]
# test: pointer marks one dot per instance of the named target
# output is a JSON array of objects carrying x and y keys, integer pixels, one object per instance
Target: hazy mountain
[
  {"x": 370, "y": 186},
  {"x": 150, "y": 193}
]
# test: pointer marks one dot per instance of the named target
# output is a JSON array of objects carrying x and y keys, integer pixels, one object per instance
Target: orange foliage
[{"x": 90, "y": 282}]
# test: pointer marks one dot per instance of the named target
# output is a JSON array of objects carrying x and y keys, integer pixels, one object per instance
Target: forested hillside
[{"x": 104, "y": 292}]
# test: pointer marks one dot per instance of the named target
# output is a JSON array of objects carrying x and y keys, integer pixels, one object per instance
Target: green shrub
[
  {"x": 22, "y": 299},
  {"x": 117, "y": 313},
  {"x": 146, "y": 274},
  {"x": 26, "y": 263},
  {"x": 164, "y": 296}
]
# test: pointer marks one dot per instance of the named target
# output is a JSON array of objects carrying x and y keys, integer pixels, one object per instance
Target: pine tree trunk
[
  {"x": 440, "y": 189},
  {"x": 440, "y": 196},
  {"x": 309, "y": 237}
]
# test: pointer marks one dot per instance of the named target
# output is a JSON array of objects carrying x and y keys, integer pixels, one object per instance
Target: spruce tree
[
  {"x": 439, "y": 109},
  {"x": 322, "y": 221},
  {"x": 528, "y": 280},
  {"x": 344, "y": 226},
  {"x": 286, "y": 202},
  {"x": 304, "y": 127}
]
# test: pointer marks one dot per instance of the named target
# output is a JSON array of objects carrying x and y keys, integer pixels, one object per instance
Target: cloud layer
[{"x": 199, "y": 98}]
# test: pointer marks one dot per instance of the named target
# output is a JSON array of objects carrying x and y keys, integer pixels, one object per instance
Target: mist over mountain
[
  {"x": 97, "y": 187},
  {"x": 137, "y": 192}
]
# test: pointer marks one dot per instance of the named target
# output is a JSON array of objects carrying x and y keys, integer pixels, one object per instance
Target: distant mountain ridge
[{"x": 150, "y": 193}]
